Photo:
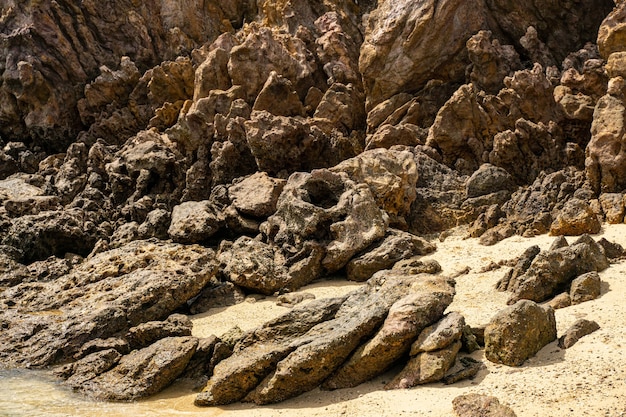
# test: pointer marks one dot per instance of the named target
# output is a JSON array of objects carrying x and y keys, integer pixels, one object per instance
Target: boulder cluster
[{"x": 157, "y": 156}]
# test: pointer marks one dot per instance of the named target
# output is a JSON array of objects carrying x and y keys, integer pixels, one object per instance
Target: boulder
[
  {"x": 256, "y": 195},
  {"x": 139, "y": 374},
  {"x": 395, "y": 247},
  {"x": 488, "y": 179},
  {"x": 576, "y": 218},
  {"x": 585, "y": 287},
  {"x": 552, "y": 269},
  {"x": 104, "y": 296},
  {"x": 518, "y": 332},
  {"x": 194, "y": 221},
  {"x": 441, "y": 334}
]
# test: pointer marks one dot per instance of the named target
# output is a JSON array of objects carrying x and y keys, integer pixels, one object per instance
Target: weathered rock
[
  {"x": 328, "y": 208},
  {"x": 391, "y": 176},
  {"x": 579, "y": 329},
  {"x": 426, "y": 367},
  {"x": 407, "y": 317},
  {"x": 488, "y": 179},
  {"x": 491, "y": 61},
  {"x": 52, "y": 233},
  {"x": 194, "y": 221},
  {"x": 552, "y": 269},
  {"x": 147, "y": 333},
  {"x": 102, "y": 297},
  {"x": 141, "y": 373},
  {"x": 270, "y": 365},
  {"x": 414, "y": 266},
  {"x": 292, "y": 298},
  {"x": 278, "y": 96},
  {"x": 560, "y": 301},
  {"x": 480, "y": 405},
  {"x": 518, "y": 332},
  {"x": 465, "y": 368},
  {"x": 611, "y": 31},
  {"x": 613, "y": 207},
  {"x": 441, "y": 334},
  {"x": 576, "y": 218},
  {"x": 95, "y": 345},
  {"x": 612, "y": 250},
  {"x": 394, "y": 247},
  {"x": 89, "y": 367},
  {"x": 585, "y": 287},
  {"x": 256, "y": 195},
  {"x": 210, "y": 351}
]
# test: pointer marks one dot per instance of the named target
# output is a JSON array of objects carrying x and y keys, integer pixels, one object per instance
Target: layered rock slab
[{"x": 268, "y": 370}]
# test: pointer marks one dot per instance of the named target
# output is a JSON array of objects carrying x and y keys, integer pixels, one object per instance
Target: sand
[{"x": 588, "y": 379}]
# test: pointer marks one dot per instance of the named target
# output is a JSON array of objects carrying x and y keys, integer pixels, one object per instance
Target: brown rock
[
  {"x": 194, "y": 221},
  {"x": 579, "y": 329},
  {"x": 278, "y": 96},
  {"x": 613, "y": 207},
  {"x": 439, "y": 335},
  {"x": 256, "y": 195},
  {"x": 576, "y": 218},
  {"x": 518, "y": 332},
  {"x": 586, "y": 287}
]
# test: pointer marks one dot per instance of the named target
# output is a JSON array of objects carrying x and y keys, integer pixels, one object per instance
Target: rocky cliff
[{"x": 153, "y": 153}]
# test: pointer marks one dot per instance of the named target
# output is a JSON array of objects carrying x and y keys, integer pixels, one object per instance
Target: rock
[
  {"x": 488, "y": 179},
  {"x": 475, "y": 405},
  {"x": 393, "y": 248},
  {"x": 613, "y": 207},
  {"x": 579, "y": 329},
  {"x": 223, "y": 294},
  {"x": 390, "y": 175},
  {"x": 194, "y": 221},
  {"x": 560, "y": 301},
  {"x": 414, "y": 266},
  {"x": 293, "y": 298},
  {"x": 407, "y": 317},
  {"x": 141, "y": 373},
  {"x": 89, "y": 367},
  {"x": 388, "y": 136},
  {"x": 426, "y": 367},
  {"x": 96, "y": 345},
  {"x": 102, "y": 297},
  {"x": 610, "y": 33},
  {"x": 328, "y": 208},
  {"x": 256, "y": 195},
  {"x": 612, "y": 250},
  {"x": 52, "y": 233},
  {"x": 518, "y": 332},
  {"x": 270, "y": 365},
  {"x": 576, "y": 218},
  {"x": 278, "y": 96},
  {"x": 441, "y": 334},
  {"x": 210, "y": 351},
  {"x": 551, "y": 269},
  {"x": 491, "y": 61},
  {"x": 147, "y": 333},
  {"x": 469, "y": 368},
  {"x": 156, "y": 224},
  {"x": 585, "y": 287},
  {"x": 522, "y": 264}
]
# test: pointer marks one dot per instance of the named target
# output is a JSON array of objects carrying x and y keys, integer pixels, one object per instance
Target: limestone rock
[
  {"x": 518, "y": 332},
  {"x": 551, "y": 269},
  {"x": 194, "y": 221},
  {"x": 256, "y": 195},
  {"x": 142, "y": 372}
]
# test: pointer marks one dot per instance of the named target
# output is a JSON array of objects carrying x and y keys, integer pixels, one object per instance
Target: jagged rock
[
  {"x": 576, "y": 218},
  {"x": 223, "y": 294},
  {"x": 480, "y": 405},
  {"x": 89, "y": 367},
  {"x": 394, "y": 247},
  {"x": 96, "y": 345},
  {"x": 147, "y": 333},
  {"x": 390, "y": 175},
  {"x": 377, "y": 116},
  {"x": 54, "y": 49},
  {"x": 518, "y": 332},
  {"x": 415, "y": 266},
  {"x": 465, "y": 368},
  {"x": 278, "y": 96},
  {"x": 141, "y": 373},
  {"x": 105, "y": 295},
  {"x": 441, "y": 334},
  {"x": 52, "y": 233},
  {"x": 256, "y": 195},
  {"x": 585, "y": 287},
  {"x": 194, "y": 221},
  {"x": 485, "y": 221},
  {"x": 406, "y": 319},
  {"x": 552, "y": 269},
  {"x": 510, "y": 279},
  {"x": 611, "y": 31},
  {"x": 613, "y": 207},
  {"x": 579, "y": 329},
  {"x": 156, "y": 224},
  {"x": 328, "y": 208},
  {"x": 343, "y": 106},
  {"x": 426, "y": 367},
  {"x": 488, "y": 179},
  {"x": 612, "y": 250},
  {"x": 270, "y": 364},
  {"x": 491, "y": 61},
  {"x": 388, "y": 135}
]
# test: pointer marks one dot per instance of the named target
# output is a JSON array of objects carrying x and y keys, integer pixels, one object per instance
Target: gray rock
[{"x": 518, "y": 332}]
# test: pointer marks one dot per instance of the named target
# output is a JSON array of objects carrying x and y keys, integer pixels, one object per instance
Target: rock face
[{"x": 518, "y": 332}]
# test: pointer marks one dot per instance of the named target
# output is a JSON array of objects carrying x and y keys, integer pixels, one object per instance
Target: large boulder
[
  {"x": 518, "y": 332},
  {"x": 106, "y": 295}
]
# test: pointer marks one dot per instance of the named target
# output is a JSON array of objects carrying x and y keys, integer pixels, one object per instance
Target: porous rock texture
[{"x": 156, "y": 155}]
